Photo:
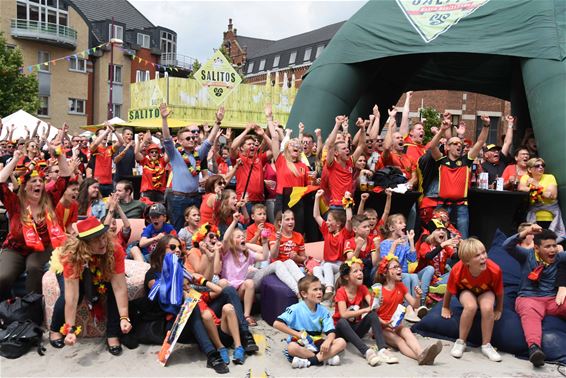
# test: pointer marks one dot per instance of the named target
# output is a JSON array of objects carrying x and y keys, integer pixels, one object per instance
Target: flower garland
[
  {"x": 194, "y": 170},
  {"x": 157, "y": 171},
  {"x": 535, "y": 194},
  {"x": 97, "y": 278}
]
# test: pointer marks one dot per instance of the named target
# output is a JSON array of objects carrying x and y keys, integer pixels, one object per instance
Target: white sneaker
[
  {"x": 299, "y": 363},
  {"x": 385, "y": 356},
  {"x": 333, "y": 361},
  {"x": 411, "y": 316},
  {"x": 422, "y": 311},
  {"x": 372, "y": 358},
  {"x": 458, "y": 348},
  {"x": 490, "y": 353}
]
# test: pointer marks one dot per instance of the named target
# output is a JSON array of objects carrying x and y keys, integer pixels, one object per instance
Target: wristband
[
  {"x": 125, "y": 318},
  {"x": 67, "y": 328},
  {"x": 486, "y": 125}
]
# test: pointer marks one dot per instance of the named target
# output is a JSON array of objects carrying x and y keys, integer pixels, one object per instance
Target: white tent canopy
[{"x": 20, "y": 120}]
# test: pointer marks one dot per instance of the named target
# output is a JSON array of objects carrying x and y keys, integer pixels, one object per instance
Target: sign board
[
  {"x": 431, "y": 18},
  {"x": 219, "y": 77}
]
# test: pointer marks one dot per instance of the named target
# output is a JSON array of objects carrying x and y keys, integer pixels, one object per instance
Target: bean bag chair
[
  {"x": 275, "y": 298},
  {"x": 135, "y": 274},
  {"x": 507, "y": 332}
]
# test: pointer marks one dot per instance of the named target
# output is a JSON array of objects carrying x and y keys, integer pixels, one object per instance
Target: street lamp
[{"x": 112, "y": 42}]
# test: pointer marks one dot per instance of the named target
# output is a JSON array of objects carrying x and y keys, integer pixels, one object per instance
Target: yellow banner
[{"x": 191, "y": 103}]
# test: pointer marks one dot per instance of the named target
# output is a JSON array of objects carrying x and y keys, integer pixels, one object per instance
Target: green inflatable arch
[{"x": 510, "y": 49}]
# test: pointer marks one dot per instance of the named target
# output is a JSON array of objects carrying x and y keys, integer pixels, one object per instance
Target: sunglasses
[
  {"x": 191, "y": 138},
  {"x": 212, "y": 236},
  {"x": 541, "y": 165},
  {"x": 174, "y": 247},
  {"x": 154, "y": 152},
  {"x": 194, "y": 131},
  {"x": 222, "y": 183},
  {"x": 21, "y": 144},
  {"x": 396, "y": 267}
]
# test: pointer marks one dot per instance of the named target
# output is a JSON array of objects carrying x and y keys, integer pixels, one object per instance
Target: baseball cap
[
  {"x": 490, "y": 147},
  {"x": 157, "y": 209}
]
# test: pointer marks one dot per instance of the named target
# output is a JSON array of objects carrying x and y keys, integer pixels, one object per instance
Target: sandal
[
  {"x": 56, "y": 343},
  {"x": 251, "y": 321}
]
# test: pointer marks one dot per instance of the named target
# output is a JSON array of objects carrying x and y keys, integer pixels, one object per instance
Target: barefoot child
[
  {"x": 238, "y": 256},
  {"x": 394, "y": 293},
  {"x": 353, "y": 314},
  {"x": 335, "y": 231},
  {"x": 478, "y": 283},
  {"x": 305, "y": 323}
]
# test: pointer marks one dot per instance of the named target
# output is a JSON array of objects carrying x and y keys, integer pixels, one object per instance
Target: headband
[
  {"x": 203, "y": 231},
  {"x": 384, "y": 262}
]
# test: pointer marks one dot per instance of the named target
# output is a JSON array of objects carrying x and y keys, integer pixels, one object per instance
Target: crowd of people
[{"x": 216, "y": 222}]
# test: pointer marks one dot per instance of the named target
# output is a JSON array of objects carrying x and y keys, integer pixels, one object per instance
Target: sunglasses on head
[
  {"x": 192, "y": 137},
  {"x": 174, "y": 247},
  {"x": 194, "y": 131},
  {"x": 539, "y": 165}
]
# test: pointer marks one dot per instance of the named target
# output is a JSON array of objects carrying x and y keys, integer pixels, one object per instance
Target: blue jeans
[
  {"x": 176, "y": 206},
  {"x": 425, "y": 276},
  {"x": 410, "y": 280},
  {"x": 195, "y": 330},
  {"x": 460, "y": 216}
]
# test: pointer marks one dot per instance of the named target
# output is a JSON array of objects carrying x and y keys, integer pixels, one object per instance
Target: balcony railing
[
  {"x": 44, "y": 31},
  {"x": 174, "y": 59}
]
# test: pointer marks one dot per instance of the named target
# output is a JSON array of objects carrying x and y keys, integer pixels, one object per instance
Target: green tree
[
  {"x": 17, "y": 90},
  {"x": 431, "y": 118},
  {"x": 195, "y": 68}
]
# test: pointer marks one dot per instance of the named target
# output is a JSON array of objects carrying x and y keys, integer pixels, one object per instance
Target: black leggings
[{"x": 353, "y": 332}]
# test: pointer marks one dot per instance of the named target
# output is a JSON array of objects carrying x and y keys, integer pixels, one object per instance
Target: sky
[{"x": 199, "y": 24}]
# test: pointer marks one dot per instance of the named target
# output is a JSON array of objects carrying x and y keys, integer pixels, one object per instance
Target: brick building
[
  {"x": 76, "y": 90},
  {"x": 285, "y": 61}
]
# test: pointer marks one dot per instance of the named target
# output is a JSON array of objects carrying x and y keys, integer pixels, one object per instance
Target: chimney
[
  {"x": 229, "y": 24},
  {"x": 235, "y": 31}
]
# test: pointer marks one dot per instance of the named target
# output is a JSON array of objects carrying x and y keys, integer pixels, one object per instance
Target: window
[
  {"x": 143, "y": 40},
  {"x": 117, "y": 74},
  {"x": 262, "y": 64},
  {"x": 318, "y": 51},
  {"x": 43, "y": 57},
  {"x": 168, "y": 43},
  {"x": 43, "y": 106},
  {"x": 118, "y": 32},
  {"x": 76, "y": 106},
  {"x": 307, "y": 54},
  {"x": 250, "y": 67},
  {"x": 45, "y": 11},
  {"x": 292, "y": 57},
  {"x": 276, "y": 61},
  {"x": 77, "y": 64},
  {"x": 142, "y": 76},
  {"x": 116, "y": 110}
]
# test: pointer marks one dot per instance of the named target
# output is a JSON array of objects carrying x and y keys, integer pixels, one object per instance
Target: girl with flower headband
[
  {"x": 394, "y": 292},
  {"x": 34, "y": 229},
  {"x": 354, "y": 315},
  {"x": 90, "y": 265}
]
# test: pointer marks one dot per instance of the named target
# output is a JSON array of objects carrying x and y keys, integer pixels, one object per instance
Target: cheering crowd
[{"x": 216, "y": 222}]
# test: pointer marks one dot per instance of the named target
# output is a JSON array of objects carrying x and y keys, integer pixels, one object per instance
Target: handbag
[
  {"x": 19, "y": 338},
  {"x": 30, "y": 307}
]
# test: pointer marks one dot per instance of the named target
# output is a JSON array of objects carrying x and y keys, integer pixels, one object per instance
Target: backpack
[
  {"x": 389, "y": 177},
  {"x": 29, "y": 307},
  {"x": 19, "y": 338}
]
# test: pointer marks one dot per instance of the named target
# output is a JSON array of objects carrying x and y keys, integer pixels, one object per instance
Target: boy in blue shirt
[
  {"x": 305, "y": 322},
  {"x": 152, "y": 233}
]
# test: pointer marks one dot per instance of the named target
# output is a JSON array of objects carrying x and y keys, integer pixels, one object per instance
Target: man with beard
[
  {"x": 497, "y": 158},
  {"x": 186, "y": 165},
  {"x": 244, "y": 147},
  {"x": 512, "y": 173},
  {"x": 130, "y": 206},
  {"x": 454, "y": 173}
]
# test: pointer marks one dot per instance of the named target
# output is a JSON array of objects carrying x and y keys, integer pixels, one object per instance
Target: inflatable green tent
[{"x": 510, "y": 49}]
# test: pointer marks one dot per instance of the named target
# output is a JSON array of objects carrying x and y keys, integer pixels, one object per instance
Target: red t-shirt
[
  {"x": 103, "y": 164},
  {"x": 402, "y": 161},
  {"x": 119, "y": 264},
  {"x": 334, "y": 243},
  {"x": 154, "y": 175},
  {"x": 207, "y": 212},
  {"x": 414, "y": 151},
  {"x": 342, "y": 296},
  {"x": 491, "y": 279},
  {"x": 286, "y": 178},
  {"x": 255, "y": 187},
  {"x": 252, "y": 229},
  {"x": 438, "y": 262},
  {"x": 350, "y": 246},
  {"x": 340, "y": 179},
  {"x": 296, "y": 243},
  {"x": 390, "y": 300},
  {"x": 67, "y": 215}
]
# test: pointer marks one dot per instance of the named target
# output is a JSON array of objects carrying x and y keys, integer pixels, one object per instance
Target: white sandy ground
[{"x": 90, "y": 359}]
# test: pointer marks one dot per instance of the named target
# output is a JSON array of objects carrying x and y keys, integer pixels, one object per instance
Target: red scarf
[{"x": 31, "y": 236}]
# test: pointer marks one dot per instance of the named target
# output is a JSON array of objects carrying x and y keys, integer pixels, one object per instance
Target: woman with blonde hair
[
  {"x": 543, "y": 197},
  {"x": 34, "y": 229},
  {"x": 291, "y": 171},
  {"x": 91, "y": 265}
]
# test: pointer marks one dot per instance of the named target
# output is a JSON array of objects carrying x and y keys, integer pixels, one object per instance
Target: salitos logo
[
  {"x": 218, "y": 77},
  {"x": 433, "y": 17}
]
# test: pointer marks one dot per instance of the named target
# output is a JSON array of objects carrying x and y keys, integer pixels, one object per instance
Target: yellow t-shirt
[{"x": 545, "y": 182}]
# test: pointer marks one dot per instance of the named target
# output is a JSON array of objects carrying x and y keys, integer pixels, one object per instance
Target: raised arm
[
  {"x": 508, "y": 141},
  {"x": 387, "y": 208},
  {"x": 107, "y": 131},
  {"x": 434, "y": 150},
  {"x": 319, "y": 143},
  {"x": 164, "y": 126},
  {"x": 339, "y": 120},
  {"x": 475, "y": 150},
  {"x": 216, "y": 128},
  {"x": 404, "y": 127},
  {"x": 316, "y": 208},
  {"x": 373, "y": 130},
  {"x": 391, "y": 127},
  {"x": 361, "y": 144},
  {"x": 237, "y": 142},
  {"x": 9, "y": 168}
]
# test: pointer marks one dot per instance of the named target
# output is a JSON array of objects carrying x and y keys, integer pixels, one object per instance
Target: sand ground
[{"x": 90, "y": 359}]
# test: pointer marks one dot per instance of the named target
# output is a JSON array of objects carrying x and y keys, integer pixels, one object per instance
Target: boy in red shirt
[
  {"x": 259, "y": 216},
  {"x": 371, "y": 214},
  {"x": 335, "y": 231},
  {"x": 362, "y": 246},
  {"x": 478, "y": 283}
]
